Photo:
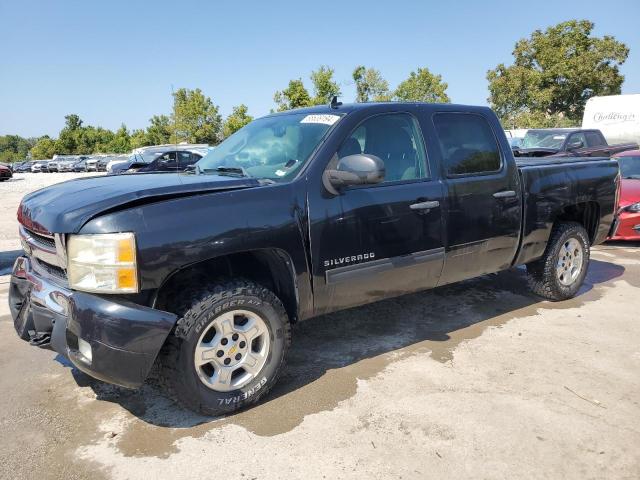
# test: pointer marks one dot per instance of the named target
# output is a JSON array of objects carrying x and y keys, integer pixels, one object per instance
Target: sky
[{"x": 115, "y": 62}]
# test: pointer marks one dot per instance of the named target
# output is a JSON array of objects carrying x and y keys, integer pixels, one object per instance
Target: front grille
[
  {"x": 52, "y": 270},
  {"x": 42, "y": 239}
]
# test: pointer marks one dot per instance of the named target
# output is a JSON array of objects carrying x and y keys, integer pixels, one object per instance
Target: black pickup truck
[
  {"x": 568, "y": 142},
  {"x": 298, "y": 214}
]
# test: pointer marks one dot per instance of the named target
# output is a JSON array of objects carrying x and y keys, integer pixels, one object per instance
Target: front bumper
[
  {"x": 125, "y": 338},
  {"x": 627, "y": 226}
]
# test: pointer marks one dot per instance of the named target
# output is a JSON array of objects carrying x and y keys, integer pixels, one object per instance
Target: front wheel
[
  {"x": 227, "y": 350},
  {"x": 559, "y": 274}
]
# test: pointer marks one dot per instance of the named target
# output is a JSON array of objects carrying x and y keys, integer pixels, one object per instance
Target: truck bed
[{"x": 549, "y": 184}]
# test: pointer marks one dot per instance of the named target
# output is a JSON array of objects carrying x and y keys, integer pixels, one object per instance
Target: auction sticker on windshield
[{"x": 324, "y": 119}]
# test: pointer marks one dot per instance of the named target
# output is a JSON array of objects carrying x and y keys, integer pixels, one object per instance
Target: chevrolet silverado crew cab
[{"x": 202, "y": 274}]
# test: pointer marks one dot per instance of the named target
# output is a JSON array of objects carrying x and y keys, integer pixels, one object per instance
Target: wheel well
[
  {"x": 587, "y": 214},
  {"x": 271, "y": 268}
]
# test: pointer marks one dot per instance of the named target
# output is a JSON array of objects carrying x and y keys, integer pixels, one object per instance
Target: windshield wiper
[{"x": 235, "y": 171}]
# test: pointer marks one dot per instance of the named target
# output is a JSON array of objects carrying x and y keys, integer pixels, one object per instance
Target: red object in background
[
  {"x": 629, "y": 202},
  {"x": 5, "y": 173}
]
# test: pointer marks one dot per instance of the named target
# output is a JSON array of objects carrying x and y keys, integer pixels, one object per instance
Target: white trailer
[{"x": 616, "y": 116}]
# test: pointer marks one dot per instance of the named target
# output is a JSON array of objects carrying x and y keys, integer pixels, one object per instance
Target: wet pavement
[{"x": 477, "y": 379}]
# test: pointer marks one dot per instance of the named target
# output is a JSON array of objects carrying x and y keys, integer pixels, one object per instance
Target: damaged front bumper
[{"x": 124, "y": 337}]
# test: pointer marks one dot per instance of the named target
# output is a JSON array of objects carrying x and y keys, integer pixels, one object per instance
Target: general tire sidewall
[
  {"x": 579, "y": 234},
  {"x": 223, "y": 402}
]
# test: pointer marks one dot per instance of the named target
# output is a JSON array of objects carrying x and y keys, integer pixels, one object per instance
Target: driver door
[{"x": 382, "y": 240}]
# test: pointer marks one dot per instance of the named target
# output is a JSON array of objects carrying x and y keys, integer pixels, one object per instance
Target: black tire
[
  {"x": 543, "y": 275},
  {"x": 177, "y": 371}
]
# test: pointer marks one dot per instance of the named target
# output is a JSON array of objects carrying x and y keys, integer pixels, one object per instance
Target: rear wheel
[
  {"x": 559, "y": 274},
  {"x": 228, "y": 349}
]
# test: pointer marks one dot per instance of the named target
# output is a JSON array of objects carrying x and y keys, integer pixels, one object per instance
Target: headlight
[
  {"x": 104, "y": 263},
  {"x": 634, "y": 207}
]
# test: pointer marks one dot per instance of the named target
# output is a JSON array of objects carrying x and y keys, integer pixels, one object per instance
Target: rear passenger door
[
  {"x": 186, "y": 159},
  {"x": 483, "y": 204}
]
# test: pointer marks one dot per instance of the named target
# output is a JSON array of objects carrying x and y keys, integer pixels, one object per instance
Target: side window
[
  {"x": 576, "y": 138},
  {"x": 395, "y": 138},
  {"x": 186, "y": 158},
  {"x": 467, "y": 144},
  {"x": 593, "y": 139},
  {"x": 169, "y": 160}
]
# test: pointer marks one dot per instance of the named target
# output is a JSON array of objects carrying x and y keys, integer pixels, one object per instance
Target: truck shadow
[{"x": 329, "y": 354}]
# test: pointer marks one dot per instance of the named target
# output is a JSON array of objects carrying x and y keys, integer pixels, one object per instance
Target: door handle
[
  {"x": 425, "y": 205},
  {"x": 504, "y": 194}
]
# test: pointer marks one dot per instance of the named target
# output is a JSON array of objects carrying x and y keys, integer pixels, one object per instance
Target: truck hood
[{"x": 67, "y": 206}]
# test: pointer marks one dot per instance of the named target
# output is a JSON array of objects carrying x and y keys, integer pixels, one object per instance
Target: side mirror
[
  {"x": 575, "y": 145},
  {"x": 359, "y": 169}
]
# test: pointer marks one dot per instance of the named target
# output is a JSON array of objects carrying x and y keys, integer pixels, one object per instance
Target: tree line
[{"x": 553, "y": 74}]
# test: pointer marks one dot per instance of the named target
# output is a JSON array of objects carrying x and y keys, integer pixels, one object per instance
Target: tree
[
  {"x": 72, "y": 122},
  {"x": 555, "y": 72},
  {"x": 236, "y": 120},
  {"x": 139, "y": 138},
  {"x": 324, "y": 87},
  {"x": 44, "y": 148},
  {"x": 160, "y": 130},
  {"x": 14, "y": 147},
  {"x": 196, "y": 117},
  {"x": 294, "y": 96},
  {"x": 423, "y": 86},
  {"x": 370, "y": 86},
  {"x": 121, "y": 142}
]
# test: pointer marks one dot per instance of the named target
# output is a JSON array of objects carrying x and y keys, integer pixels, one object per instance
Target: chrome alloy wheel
[
  {"x": 232, "y": 350},
  {"x": 570, "y": 259}
]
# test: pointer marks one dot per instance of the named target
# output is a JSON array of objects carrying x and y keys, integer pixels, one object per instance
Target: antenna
[
  {"x": 175, "y": 119},
  {"x": 334, "y": 102}
]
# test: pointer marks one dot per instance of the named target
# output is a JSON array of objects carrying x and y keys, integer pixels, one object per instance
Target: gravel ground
[{"x": 475, "y": 380}]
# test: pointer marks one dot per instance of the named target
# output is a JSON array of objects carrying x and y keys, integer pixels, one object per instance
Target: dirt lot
[{"x": 476, "y": 380}]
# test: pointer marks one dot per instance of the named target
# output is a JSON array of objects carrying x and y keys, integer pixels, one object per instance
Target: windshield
[
  {"x": 629, "y": 167},
  {"x": 270, "y": 147},
  {"x": 543, "y": 139}
]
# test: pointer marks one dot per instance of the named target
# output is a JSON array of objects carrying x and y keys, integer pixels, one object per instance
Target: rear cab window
[{"x": 467, "y": 144}]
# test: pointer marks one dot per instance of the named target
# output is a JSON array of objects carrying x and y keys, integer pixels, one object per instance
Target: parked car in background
[
  {"x": 66, "y": 165},
  {"x": 5, "y": 173},
  {"x": 616, "y": 116},
  {"x": 628, "y": 222},
  {"x": 99, "y": 163},
  {"x": 40, "y": 166},
  {"x": 174, "y": 161},
  {"x": 52, "y": 166},
  {"x": 80, "y": 166},
  {"x": 22, "y": 167},
  {"x": 170, "y": 158},
  {"x": 568, "y": 142}
]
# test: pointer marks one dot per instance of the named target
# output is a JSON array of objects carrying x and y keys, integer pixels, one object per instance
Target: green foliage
[
  {"x": 294, "y": 96},
  {"x": 196, "y": 118},
  {"x": 14, "y": 148},
  {"x": 370, "y": 86},
  {"x": 324, "y": 87},
  {"x": 236, "y": 120},
  {"x": 554, "y": 73},
  {"x": 121, "y": 141},
  {"x": 422, "y": 86},
  {"x": 44, "y": 148},
  {"x": 160, "y": 130}
]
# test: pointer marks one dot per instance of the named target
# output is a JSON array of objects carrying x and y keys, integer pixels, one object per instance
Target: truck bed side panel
[{"x": 551, "y": 186}]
